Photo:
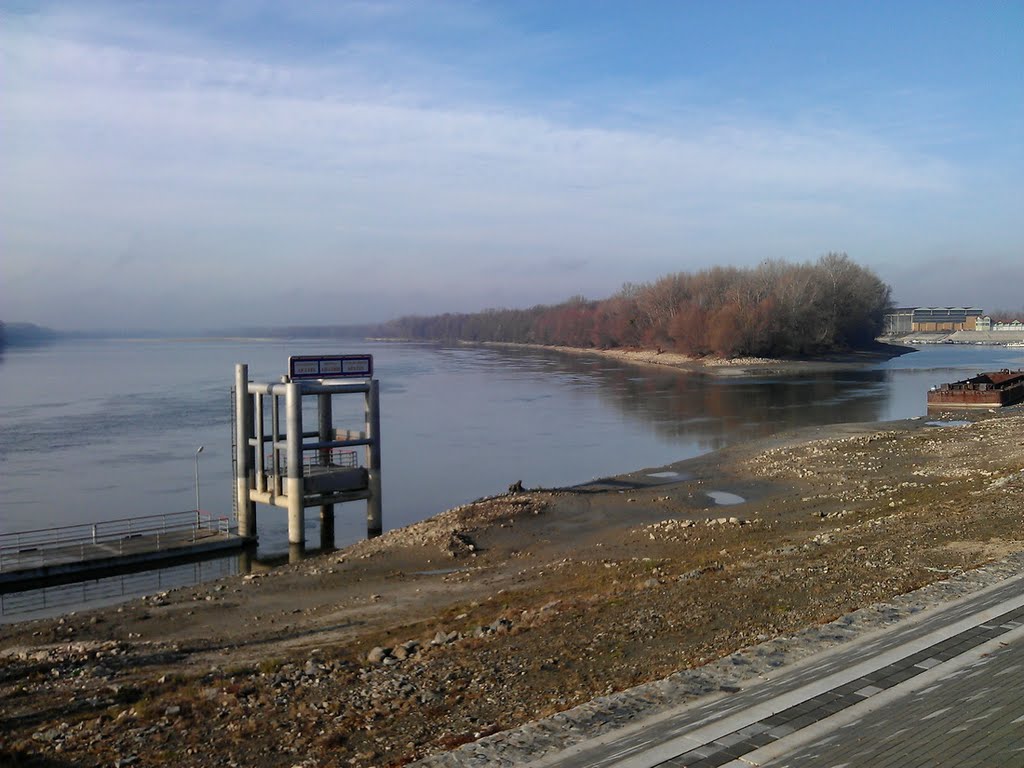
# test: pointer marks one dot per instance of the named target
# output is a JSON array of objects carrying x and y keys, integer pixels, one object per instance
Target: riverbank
[
  {"x": 879, "y": 352},
  {"x": 970, "y": 338},
  {"x": 727, "y": 366},
  {"x": 499, "y": 612}
]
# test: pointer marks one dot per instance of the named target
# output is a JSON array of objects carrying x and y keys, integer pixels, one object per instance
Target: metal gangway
[{"x": 73, "y": 552}]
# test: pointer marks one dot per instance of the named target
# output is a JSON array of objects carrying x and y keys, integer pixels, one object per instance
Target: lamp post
[{"x": 198, "y": 451}]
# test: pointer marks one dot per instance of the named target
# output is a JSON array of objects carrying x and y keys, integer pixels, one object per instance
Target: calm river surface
[{"x": 101, "y": 430}]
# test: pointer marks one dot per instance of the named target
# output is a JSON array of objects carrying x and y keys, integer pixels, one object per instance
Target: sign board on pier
[{"x": 330, "y": 367}]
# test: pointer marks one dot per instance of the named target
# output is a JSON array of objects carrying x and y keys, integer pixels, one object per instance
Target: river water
[{"x": 101, "y": 430}]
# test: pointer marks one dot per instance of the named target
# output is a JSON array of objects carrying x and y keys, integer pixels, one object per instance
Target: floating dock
[
  {"x": 986, "y": 390},
  {"x": 73, "y": 553}
]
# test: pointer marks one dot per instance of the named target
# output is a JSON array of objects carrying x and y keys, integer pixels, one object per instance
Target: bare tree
[{"x": 775, "y": 309}]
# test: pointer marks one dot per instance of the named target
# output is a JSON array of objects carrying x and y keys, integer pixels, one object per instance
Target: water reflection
[
  {"x": 714, "y": 410},
  {"x": 110, "y": 590},
  {"x": 725, "y": 499}
]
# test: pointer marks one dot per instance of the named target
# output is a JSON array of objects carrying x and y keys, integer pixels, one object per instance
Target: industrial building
[
  {"x": 986, "y": 324},
  {"x": 932, "y": 320}
]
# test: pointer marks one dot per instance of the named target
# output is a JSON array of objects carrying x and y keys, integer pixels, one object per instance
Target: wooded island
[{"x": 776, "y": 309}]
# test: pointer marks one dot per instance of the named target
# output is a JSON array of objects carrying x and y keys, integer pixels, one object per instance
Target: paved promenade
[
  {"x": 942, "y": 688},
  {"x": 892, "y": 700},
  {"x": 967, "y": 713}
]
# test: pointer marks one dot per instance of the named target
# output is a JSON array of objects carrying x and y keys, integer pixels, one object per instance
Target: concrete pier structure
[
  {"x": 84, "y": 551},
  {"x": 374, "y": 518},
  {"x": 307, "y": 468},
  {"x": 295, "y": 492},
  {"x": 244, "y": 466},
  {"x": 325, "y": 432}
]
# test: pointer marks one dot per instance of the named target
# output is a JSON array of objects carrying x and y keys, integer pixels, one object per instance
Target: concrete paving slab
[
  {"x": 841, "y": 695},
  {"x": 663, "y": 724},
  {"x": 907, "y": 719}
]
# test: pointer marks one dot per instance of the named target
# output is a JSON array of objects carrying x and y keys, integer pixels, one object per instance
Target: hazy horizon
[
  {"x": 254, "y": 329},
  {"x": 181, "y": 166}
]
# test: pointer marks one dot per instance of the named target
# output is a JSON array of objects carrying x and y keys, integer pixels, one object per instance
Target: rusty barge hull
[
  {"x": 986, "y": 390},
  {"x": 974, "y": 399}
]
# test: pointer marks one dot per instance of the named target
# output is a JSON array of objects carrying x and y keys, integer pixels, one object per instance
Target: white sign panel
[{"x": 330, "y": 366}]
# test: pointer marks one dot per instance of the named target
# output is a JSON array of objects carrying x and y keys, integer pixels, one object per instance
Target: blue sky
[{"x": 192, "y": 165}]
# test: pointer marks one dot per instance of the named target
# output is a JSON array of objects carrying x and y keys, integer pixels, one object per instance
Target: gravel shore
[
  {"x": 726, "y": 366},
  {"x": 464, "y": 628}
]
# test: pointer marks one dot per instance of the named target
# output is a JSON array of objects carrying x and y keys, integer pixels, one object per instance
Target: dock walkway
[{"x": 48, "y": 556}]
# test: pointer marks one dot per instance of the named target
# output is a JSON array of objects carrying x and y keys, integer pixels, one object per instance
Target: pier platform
[{"x": 63, "y": 555}]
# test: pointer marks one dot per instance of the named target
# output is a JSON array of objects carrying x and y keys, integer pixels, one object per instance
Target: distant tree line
[
  {"x": 24, "y": 334},
  {"x": 1006, "y": 315},
  {"x": 304, "y": 331},
  {"x": 776, "y": 309}
]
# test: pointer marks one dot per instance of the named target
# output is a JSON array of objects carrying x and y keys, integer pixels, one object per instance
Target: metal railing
[
  {"x": 107, "y": 538},
  {"x": 313, "y": 458},
  {"x": 108, "y": 590}
]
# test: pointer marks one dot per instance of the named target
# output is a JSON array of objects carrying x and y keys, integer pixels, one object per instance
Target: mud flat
[{"x": 497, "y": 613}]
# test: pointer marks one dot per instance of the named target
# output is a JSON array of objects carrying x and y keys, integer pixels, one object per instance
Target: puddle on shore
[
  {"x": 953, "y": 423},
  {"x": 725, "y": 499},
  {"x": 663, "y": 474},
  {"x": 437, "y": 572}
]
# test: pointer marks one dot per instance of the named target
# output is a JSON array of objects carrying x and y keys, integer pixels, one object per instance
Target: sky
[{"x": 195, "y": 165}]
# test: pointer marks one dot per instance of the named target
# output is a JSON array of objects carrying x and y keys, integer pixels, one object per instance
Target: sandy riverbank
[
  {"x": 503, "y": 611},
  {"x": 728, "y": 366}
]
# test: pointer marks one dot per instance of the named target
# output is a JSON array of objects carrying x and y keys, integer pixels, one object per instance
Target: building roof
[
  {"x": 968, "y": 310},
  {"x": 998, "y": 378},
  {"x": 950, "y": 309}
]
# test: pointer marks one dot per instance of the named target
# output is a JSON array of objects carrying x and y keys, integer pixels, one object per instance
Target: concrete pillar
[
  {"x": 326, "y": 433},
  {"x": 245, "y": 558},
  {"x": 275, "y": 426},
  {"x": 374, "y": 517},
  {"x": 243, "y": 467},
  {"x": 258, "y": 430},
  {"x": 294, "y": 489},
  {"x": 327, "y": 527}
]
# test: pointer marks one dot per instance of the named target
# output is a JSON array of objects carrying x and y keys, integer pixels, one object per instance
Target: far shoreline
[{"x": 720, "y": 366}]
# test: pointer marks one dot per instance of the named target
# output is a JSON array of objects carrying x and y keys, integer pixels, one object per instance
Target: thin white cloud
[{"x": 197, "y": 165}]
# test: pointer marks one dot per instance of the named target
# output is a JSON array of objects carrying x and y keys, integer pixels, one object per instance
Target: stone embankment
[{"x": 986, "y": 338}]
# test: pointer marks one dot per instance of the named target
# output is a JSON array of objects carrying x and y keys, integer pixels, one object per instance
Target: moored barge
[{"x": 986, "y": 390}]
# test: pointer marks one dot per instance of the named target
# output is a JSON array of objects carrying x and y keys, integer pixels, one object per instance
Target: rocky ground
[{"x": 501, "y": 612}]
